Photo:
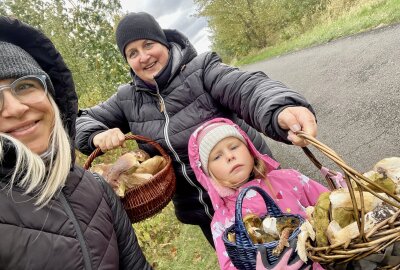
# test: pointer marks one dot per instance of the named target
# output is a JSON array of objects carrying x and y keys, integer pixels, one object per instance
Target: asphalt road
[{"x": 353, "y": 84}]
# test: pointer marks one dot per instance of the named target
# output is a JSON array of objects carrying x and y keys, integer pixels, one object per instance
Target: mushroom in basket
[
  {"x": 131, "y": 169},
  {"x": 333, "y": 218},
  {"x": 269, "y": 229}
]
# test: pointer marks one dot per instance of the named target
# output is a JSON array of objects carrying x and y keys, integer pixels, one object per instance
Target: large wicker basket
[
  {"x": 376, "y": 239},
  {"x": 146, "y": 200}
]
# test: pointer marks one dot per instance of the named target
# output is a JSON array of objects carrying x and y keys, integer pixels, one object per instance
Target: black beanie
[{"x": 135, "y": 26}]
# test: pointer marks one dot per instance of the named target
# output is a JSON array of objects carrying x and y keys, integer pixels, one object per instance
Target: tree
[{"x": 83, "y": 32}]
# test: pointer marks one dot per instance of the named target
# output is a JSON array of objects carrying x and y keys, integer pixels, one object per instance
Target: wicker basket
[
  {"x": 146, "y": 200},
  {"x": 375, "y": 240},
  {"x": 243, "y": 253}
]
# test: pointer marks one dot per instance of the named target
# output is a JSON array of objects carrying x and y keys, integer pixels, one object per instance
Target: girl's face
[
  {"x": 146, "y": 58},
  {"x": 230, "y": 162},
  {"x": 30, "y": 120}
]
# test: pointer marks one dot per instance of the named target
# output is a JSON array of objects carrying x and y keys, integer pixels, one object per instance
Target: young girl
[{"x": 225, "y": 161}]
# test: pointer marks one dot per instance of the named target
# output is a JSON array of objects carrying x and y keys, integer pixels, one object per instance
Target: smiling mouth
[
  {"x": 23, "y": 128},
  {"x": 150, "y": 66}
]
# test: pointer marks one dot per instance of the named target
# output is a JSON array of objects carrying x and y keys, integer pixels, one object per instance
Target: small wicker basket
[
  {"x": 146, "y": 200},
  {"x": 243, "y": 252},
  {"x": 376, "y": 239}
]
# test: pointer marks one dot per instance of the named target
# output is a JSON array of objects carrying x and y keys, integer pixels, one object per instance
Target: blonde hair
[
  {"x": 259, "y": 170},
  {"x": 41, "y": 178}
]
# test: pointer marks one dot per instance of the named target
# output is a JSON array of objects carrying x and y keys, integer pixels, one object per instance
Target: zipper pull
[{"x": 161, "y": 106}]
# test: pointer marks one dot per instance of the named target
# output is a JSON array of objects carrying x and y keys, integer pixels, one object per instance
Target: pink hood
[{"x": 208, "y": 183}]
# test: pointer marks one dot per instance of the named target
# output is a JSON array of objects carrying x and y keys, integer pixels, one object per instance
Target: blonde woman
[{"x": 54, "y": 214}]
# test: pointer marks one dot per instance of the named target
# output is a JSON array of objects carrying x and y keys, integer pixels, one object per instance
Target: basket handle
[
  {"x": 97, "y": 152},
  {"x": 272, "y": 208},
  {"x": 329, "y": 175}
]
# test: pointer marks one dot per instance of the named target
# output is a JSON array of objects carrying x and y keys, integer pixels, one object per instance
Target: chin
[{"x": 38, "y": 149}]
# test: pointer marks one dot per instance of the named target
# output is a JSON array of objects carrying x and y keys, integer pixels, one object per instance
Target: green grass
[
  {"x": 356, "y": 20},
  {"x": 169, "y": 244}
]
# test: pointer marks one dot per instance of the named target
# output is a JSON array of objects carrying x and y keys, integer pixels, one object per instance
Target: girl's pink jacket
[{"x": 293, "y": 192}]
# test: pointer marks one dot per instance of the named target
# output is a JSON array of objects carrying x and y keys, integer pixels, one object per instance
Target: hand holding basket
[{"x": 143, "y": 201}]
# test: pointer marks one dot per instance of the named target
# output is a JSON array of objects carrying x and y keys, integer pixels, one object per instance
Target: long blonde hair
[{"x": 42, "y": 179}]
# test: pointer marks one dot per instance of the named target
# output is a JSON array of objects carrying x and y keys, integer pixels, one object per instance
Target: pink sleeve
[{"x": 311, "y": 191}]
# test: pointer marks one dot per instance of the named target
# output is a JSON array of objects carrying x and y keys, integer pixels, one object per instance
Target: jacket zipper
[
  {"x": 183, "y": 165},
  {"x": 71, "y": 215}
]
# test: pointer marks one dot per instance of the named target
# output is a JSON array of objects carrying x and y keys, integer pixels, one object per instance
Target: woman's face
[
  {"x": 29, "y": 120},
  {"x": 230, "y": 162},
  {"x": 146, "y": 58}
]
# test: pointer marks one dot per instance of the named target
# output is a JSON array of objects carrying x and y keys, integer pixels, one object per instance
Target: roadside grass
[{"x": 371, "y": 14}]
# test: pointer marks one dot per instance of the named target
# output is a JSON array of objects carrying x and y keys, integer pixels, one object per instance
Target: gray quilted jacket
[
  {"x": 84, "y": 226},
  {"x": 200, "y": 87}
]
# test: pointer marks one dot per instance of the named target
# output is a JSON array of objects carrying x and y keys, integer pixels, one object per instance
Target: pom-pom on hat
[
  {"x": 210, "y": 136},
  {"x": 135, "y": 26}
]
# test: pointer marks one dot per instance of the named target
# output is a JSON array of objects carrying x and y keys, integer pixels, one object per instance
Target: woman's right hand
[{"x": 109, "y": 139}]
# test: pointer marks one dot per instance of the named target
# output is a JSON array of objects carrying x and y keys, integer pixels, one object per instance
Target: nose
[
  {"x": 143, "y": 57},
  {"x": 230, "y": 156},
  {"x": 12, "y": 107}
]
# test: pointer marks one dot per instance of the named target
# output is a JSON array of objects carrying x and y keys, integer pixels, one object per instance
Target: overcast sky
[{"x": 175, "y": 14}]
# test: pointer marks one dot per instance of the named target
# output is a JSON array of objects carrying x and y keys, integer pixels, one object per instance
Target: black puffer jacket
[
  {"x": 84, "y": 226},
  {"x": 199, "y": 88}
]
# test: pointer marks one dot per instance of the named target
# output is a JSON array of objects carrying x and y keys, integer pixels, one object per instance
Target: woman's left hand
[{"x": 295, "y": 119}]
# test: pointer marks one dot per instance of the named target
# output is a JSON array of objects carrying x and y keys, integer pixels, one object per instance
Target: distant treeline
[{"x": 241, "y": 26}]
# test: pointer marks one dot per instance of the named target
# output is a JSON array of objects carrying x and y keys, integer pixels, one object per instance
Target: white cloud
[{"x": 175, "y": 14}]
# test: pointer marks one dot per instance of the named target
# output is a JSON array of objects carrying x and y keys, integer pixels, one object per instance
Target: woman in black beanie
[{"x": 173, "y": 90}]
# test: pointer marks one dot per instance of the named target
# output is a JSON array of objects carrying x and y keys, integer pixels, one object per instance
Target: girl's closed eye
[
  {"x": 235, "y": 146},
  {"x": 216, "y": 156}
]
